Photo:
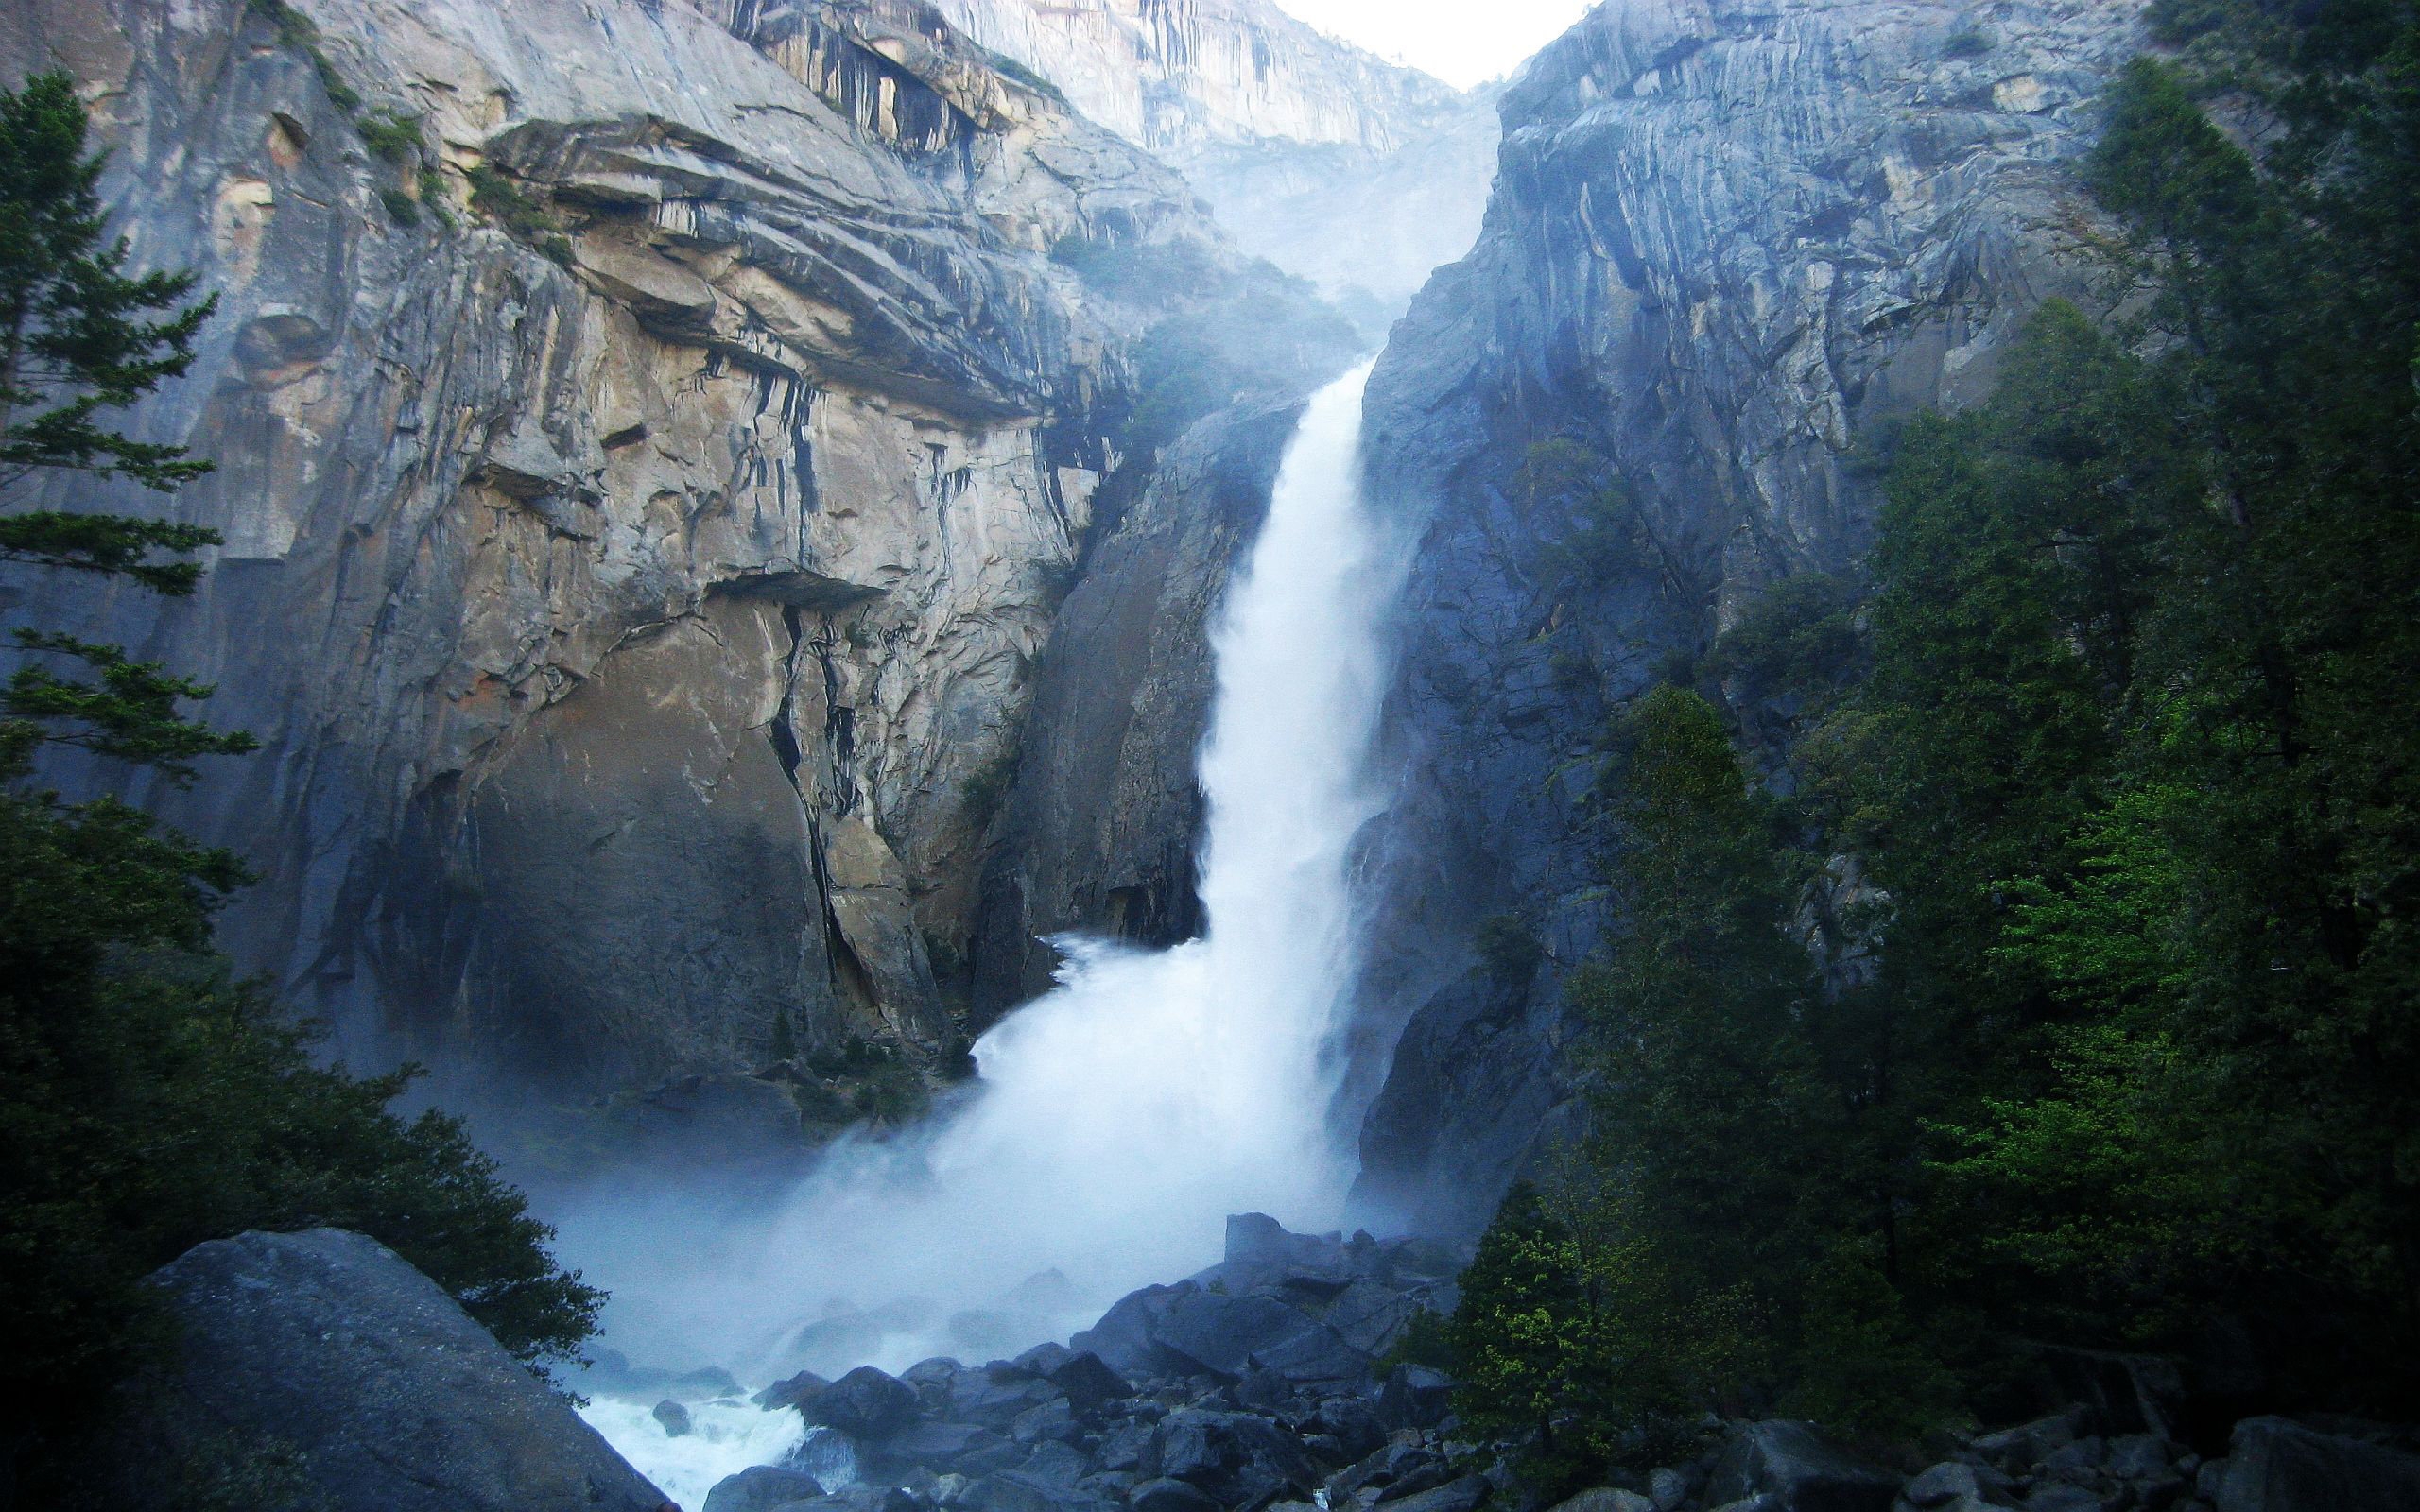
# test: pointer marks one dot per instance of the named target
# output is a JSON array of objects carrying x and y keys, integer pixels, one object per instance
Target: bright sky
[{"x": 1462, "y": 42}]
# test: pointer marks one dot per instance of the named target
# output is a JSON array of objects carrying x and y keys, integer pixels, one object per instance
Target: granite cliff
[
  {"x": 1357, "y": 174},
  {"x": 1728, "y": 244},
  {"x": 654, "y": 440}
]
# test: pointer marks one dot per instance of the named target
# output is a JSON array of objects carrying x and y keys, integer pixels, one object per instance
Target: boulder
[
  {"x": 1124, "y": 1337},
  {"x": 865, "y": 1403},
  {"x": 791, "y": 1392},
  {"x": 1944, "y": 1482},
  {"x": 761, "y": 1488},
  {"x": 1165, "y": 1494},
  {"x": 328, "y": 1344},
  {"x": 1221, "y": 1334},
  {"x": 673, "y": 1417},
  {"x": 1352, "y": 1423},
  {"x": 1797, "y": 1471},
  {"x": 1606, "y": 1498},
  {"x": 1090, "y": 1383},
  {"x": 1456, "y": 1495},
  {"x": 1237, "y": 1457},
  {"x": 2273, "y": 1464},
  {"x": 1667, "y": 1488},
  {"x": 1415, "y": 1397}
]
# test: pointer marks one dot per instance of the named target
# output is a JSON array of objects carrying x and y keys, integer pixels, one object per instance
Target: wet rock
[
  {"x": 1606, "y": 1498},
  {"x": 1788, "y": 1463},
  {"x": 1415, "y": 1397},
  {"x": 1090, "y": 1383},
  {"x": 1234, "y": 1456},
  {"x": 673, "y": 1417},
  {"x": 763, "y": 1488},
  {"x": 1465, "y": 1495},
  {"x": 327, "y": 1344},
  {"x": 1165, "y": 1494},
  {"x": 790, "y": 1392},
  {"x": 1943, "y": 1483},
  {"x": 1667, "y": 1488},
  {"x": 2273, "y": 1464},
  {"x": 865, "y": 1403}
]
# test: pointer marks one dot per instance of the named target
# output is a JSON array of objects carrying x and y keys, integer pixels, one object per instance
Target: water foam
[{"x": 1120, "y": 1118}]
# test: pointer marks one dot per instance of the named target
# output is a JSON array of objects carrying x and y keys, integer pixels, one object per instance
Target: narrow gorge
[{"x": 1132, "y": 763}]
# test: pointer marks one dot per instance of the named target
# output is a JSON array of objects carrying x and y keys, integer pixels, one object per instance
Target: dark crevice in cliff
[{"x": 782, "y": 733}]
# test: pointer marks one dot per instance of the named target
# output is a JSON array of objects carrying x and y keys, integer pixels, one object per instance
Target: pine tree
[{"x": 79, "y": 339}]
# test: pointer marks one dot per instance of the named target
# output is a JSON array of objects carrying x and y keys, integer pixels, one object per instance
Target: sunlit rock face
[
  {"x": 1728, "y": 243},
  {"x": 1355, "y": 173},
  {"x": 1181, "y": 75},
  {"x": 645, "y": 491}
]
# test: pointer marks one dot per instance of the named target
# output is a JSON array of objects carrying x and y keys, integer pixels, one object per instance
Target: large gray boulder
[
  {"x": 1236, "y": 1457},
  {"x": 328, "y": 1347},
  {"x": 1797, "y": 1471},
  {"x": 2278, "y": 1466}
]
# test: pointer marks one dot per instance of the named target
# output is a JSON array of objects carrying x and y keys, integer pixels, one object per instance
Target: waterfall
[{"x": 1118, "y": 1119}]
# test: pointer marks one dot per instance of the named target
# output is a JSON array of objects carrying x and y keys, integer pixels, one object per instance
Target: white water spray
[{"x": 1120, "y": 1118}]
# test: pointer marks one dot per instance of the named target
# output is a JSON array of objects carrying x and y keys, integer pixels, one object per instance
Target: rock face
[
  {"x": 2277, "y": 1465},
  {"x": 1726, "y": 242},
  {"x": 327, "y": 1348},
  {"x": 1179, "y": 76},
  {"x": 1100, "y": 828},
  {"x": 647, "y": 485},
  {"x": 1337, "y": 166}
]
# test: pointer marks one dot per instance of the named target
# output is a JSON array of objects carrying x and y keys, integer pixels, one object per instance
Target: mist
[{"x": 1120, "y": 1119}]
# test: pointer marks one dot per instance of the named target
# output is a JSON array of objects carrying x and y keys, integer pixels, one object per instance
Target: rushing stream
[{"x": 1121, "y": 1117}]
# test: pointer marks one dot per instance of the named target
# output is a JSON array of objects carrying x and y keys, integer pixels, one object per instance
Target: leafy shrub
[
  {"x": 1798, "y": 637},
  {"x": 296, "y": 31},
  {"x": 400, "y": 206},
  {"x": 1968, "y": 43},
  {"x": 1508, "y": 949},
  {"x": 509, "y": 206},
  {"x": 391, "y": 135}
]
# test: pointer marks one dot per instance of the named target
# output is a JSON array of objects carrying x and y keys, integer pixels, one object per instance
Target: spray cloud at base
[{"x": 1118, "y": 1119}]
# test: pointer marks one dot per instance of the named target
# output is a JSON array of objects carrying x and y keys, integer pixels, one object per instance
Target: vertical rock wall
[
  {"x": 646, "y": 485},
  {"x": 1727, "y": 243}
]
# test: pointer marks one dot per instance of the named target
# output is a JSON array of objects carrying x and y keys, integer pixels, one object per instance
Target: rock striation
[
  {"x": 1354, "y": 173},
  {"x": 1727, "y": 243},
  {"x": 654, "y": 439},
  {"x": 1181, "y": 75}
]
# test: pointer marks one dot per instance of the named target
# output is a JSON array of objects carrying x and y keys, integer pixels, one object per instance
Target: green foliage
[
  {"x": 2123, "y": 733},
  {"x": 147, "y": 1102},
  {"x": 509, "y": 205},
  {"x": 1583, "y": 518},
  {"x": 299, "y": 33},
  {"x": 890, "y": 1093},
  {"x": 1968, "y": 43},
  {"x": 1799, "y": 638},
  {"x": 391, "y": 135},
  {"x": 432, "y": 195},
  {"x": 1427, "y": 1340},
  {"x": 78, "y": 338},
  {"x": 1508, "y": 950},
  {"x": 987, "y": 788},
  {"x": 1575, "y": 1342},
  {"x": 401, "y": 208}
]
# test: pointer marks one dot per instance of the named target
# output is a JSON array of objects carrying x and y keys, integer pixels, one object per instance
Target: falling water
[{"x": 1120, "y": 1118}]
